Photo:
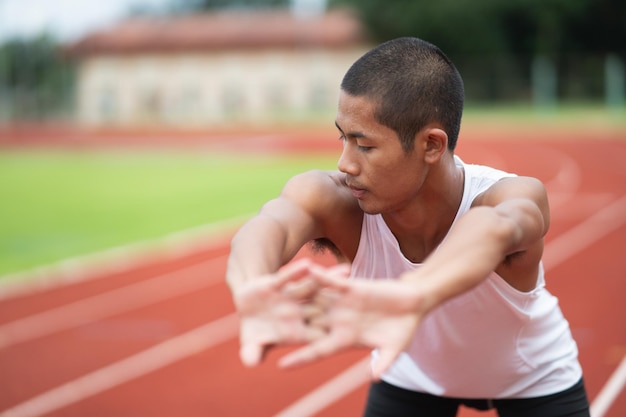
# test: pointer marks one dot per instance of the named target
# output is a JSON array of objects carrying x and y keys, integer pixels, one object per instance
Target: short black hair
[{"x": 414, "y": 83}]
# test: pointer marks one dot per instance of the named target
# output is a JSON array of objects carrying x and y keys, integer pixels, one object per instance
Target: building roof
[{"x": 234, "y": 29}]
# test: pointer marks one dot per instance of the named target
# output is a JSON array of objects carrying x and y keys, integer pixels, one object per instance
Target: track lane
[
  {"x": 223, "y": 358},
  {"x": 46, "y": 362}
]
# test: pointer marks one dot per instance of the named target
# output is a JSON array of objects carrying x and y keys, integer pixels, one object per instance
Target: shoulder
[
  {"x": 325, "y": 196},
  {"x": 482, "y": 177},
  {"x": 312, "y": 185},
  {"x": 518, "y": 195},
  {"x": 513, "y": 187},
  {"x": 523, "y": 200},
  {"x": 319, "y": 178}
]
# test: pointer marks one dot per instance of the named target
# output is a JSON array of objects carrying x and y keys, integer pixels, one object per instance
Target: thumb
[
  {"x": 251, "y": 354},
  {"x": 383, "y": 363}
]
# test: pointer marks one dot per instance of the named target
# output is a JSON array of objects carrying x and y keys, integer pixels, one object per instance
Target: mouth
[{"x": 357, "y": 191}]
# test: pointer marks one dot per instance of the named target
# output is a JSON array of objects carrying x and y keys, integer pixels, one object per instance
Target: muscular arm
[
  {"x": 503, "y": 231},
  {"x": 273, "y": 237},
  {"x": 312, "y": 205},
  {"x": 268, "y": 241},
  {"x": 267, "y": 296}
]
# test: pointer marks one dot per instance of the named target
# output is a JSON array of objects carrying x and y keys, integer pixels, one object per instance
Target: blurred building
[{"x": 246, "y": 66}]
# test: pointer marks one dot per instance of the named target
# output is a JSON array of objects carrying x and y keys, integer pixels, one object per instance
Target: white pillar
[
  {"x": 614, "y": 82},
  {"x": 544, "y": 82}
]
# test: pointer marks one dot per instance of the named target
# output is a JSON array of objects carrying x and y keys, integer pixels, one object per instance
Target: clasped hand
[{"x": 306, "y": 303}]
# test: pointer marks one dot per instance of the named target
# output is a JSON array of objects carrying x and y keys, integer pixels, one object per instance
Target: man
[{"x": 445, "y": 257}]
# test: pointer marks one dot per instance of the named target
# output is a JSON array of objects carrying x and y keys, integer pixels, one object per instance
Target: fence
[
  {"x": 32, "y": 91},
  {"x": 542, "y": 81}
]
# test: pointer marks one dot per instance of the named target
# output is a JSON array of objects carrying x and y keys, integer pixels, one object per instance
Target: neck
[{"x": 421, "y": 227}]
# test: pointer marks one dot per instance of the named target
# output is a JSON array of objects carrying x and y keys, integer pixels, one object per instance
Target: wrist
[{"x": 420, "y": 292}]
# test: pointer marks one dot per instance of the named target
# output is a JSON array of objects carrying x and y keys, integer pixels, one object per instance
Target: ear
[{"x": 435, "y": 144}]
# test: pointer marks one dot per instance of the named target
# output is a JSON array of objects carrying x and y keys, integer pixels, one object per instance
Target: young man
[{"x": 445, "y": 257}]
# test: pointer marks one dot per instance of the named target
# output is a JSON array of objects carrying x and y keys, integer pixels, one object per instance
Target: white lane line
[
  {"x": 585, "y": 204},
  {"x": 566, "y": 183},
  {"x": 586, "y": 233},
  {"x": 610, "y": 391},
  {"x": 135, "y": 366},
  {"x": 557, "y": 251},
  {"x": 118, "y": 259},
  {"x": 351, "y": 378},
  {"x": 331, "y": 391},
  {"x": 110, "y": 303}
]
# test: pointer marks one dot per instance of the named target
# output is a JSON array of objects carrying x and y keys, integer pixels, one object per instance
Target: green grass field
[
  {"x": 57, "y": 204},
  {"x": 564, "y": 114}
]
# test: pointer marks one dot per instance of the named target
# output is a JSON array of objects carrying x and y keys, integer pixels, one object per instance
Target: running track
[{"x": 158, "y": 337}]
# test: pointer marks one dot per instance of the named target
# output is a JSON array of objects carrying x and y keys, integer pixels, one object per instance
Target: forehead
[
  {"x": 356, "y": 112},
  {"x": 356, "y": 118}
]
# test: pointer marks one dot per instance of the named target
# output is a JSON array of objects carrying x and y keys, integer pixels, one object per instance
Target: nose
[{"x": 346, "y": 162}]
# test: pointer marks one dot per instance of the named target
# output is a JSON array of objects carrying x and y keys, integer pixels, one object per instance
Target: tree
[
  {"x": 34, "y": 77},
  {"x": 601, "y": 27},
  {"x": 196, "y": 5},
  {"x": 472, "y": 26}
]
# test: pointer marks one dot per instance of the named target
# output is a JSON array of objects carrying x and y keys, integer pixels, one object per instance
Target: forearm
[
  {"x": 273, "y": 237},
  {"x": 258, "y": 248},
  {"x": 476, "y": 245}
]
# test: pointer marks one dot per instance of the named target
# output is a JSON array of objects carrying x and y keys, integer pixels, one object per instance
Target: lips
[{"x": 357, "y": 192}]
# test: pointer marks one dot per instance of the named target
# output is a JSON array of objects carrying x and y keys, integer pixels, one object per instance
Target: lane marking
[
  {"x": 120, "y": 300},
  {"x": 610, "y": 391},
  {"x": 118, "y": 259},
  {"x": 319, "y": 399},
  {"x": 132, "y": 367},
  {"x": 566, "y": 182},
  {"x": 586, "y": 204},
  {"x": 331, "y": 391},
  {"x": 175, "y": 349},
  {"x": 581, "y": 236}
]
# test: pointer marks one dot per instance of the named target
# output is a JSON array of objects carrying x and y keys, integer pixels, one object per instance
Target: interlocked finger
[
  {"x": 315, "y": 316},
  {"x": 301, "y": 290}
]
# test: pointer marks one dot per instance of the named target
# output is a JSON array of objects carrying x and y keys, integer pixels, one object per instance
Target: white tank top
[{"x": 490, "y": 342}]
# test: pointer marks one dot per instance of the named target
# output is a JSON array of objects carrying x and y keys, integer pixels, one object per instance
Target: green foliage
[
  {"x": 195, "y": 5},
  {"x": 34, "y": 77},
  {"x": 494, "y": 26},
  {"x": 600, "y": 27},
  {"x": 495, "y": 43}
]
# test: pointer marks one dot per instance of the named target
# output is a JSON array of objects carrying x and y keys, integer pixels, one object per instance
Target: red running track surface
[{"x": 159, "y": 339}]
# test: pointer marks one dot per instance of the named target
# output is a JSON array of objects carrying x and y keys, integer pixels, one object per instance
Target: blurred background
[
  {"x": 208, "y": 62},
  {"x": 240, "y": 79},
  {"x": 136, "y": 135}
]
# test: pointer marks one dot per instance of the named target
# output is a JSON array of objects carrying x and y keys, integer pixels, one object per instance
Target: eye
[{"x": 360, "y": 147}]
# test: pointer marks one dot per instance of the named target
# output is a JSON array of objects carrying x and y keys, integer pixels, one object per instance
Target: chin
[{"x": 368, "y": 209}]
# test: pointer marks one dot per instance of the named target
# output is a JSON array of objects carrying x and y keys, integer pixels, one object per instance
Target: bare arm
[
  {"x": 506, "y": 222},
  {"x": 267, "y": 242},
  {"x": 273, "y": 237},
  {"x": 269, "y": 297}
]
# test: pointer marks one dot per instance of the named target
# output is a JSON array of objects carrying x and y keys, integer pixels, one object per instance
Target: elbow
[
  {"x": 508, "y": 234},
  {"x": 519, "y": 227}
]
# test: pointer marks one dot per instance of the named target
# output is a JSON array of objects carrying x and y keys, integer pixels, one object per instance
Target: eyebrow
[{"x": 351, "y": 134}]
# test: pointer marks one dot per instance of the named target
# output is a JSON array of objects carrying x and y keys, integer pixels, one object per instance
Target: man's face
[{"x": 382, "y": 176}]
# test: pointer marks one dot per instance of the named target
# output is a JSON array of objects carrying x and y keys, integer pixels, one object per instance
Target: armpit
[
  {"x": 323, "y": 244},
  {"x": 513, "y": 257}
]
